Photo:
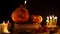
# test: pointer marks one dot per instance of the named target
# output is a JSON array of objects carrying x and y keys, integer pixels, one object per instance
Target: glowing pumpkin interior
[
  {"x": 20, "y": 14},
  {"x": 37, "y": 19}
]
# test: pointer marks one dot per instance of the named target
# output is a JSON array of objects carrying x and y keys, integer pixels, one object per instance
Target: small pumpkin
[
  {"x": 20, "y": 14},
  {"x": 37, "y": 18}
]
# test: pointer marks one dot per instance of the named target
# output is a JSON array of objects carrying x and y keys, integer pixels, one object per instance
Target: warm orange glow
[
  {"x": 51, "y": 21},
  {"x": 6, "y": 30},
  {"x": 3, "y": 22},
  {"x": 20, "y": 14},
  {"x": 4, "y": 27},
  {"x": 36, "y": 19}
]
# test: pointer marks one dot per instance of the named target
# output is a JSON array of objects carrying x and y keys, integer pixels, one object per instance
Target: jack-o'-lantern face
[
  {"x": 20, "y": 14},
  {"x": 36, "y": 19}
]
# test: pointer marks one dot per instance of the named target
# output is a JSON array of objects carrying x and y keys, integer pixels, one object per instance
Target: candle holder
[
  {"x": 51, "y": 21},
  {"x": 4, "y": 28}
]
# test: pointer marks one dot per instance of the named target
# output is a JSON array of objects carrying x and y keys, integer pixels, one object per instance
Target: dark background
[{"x": 39, "y": 7}]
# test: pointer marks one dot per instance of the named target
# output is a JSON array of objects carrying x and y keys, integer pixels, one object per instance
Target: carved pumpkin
[
  {"x": 20, "y": 14},
  {"x": 37, "y": 19}
]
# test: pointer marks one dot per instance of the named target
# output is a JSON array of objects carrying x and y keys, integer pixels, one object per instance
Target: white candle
[
  {"x": 47, "y": 21},
  {"x": 50, "y": 19},
  {"x": 8, "y": 21},
  {"x": 52, "y": 16},
  {"x": 47, "y": 18},
  {"x": 55, "y": 18}
]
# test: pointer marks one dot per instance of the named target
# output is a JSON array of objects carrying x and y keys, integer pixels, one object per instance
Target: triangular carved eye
[{"x": 20, "y": 12}]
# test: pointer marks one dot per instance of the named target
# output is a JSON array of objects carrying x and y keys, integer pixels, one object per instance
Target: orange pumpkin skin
[
  {"x": 37, "y": 19},
  {"x": 20, "y": 15}
]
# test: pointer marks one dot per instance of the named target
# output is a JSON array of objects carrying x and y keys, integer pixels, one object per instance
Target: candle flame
[
  {"x": 25, "y": 1},
  {"x": 55, "y": 17},
  {"x": 50, "y": 17},
  {"x": 47, "y": 17},
  {"x": 3, "y": 22},
  {"x": 8, "y": 21}
]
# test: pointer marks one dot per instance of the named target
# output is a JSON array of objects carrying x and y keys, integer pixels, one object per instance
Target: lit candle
[
  {"x": 47, "y": 21},
  {"x": 9, "y": 24},
  {"x": 55, "y": 18},
  {"x": 50, "y": 19},
  {"x": 4, "y": 28},
  {"x": 3, "y": 22},
  {"x": 8, "y": 21},
  {"x": 47, "y": 18},
  {"x": 25, "y": 3},
  {"x": 52, "y": 16},
  {"x": 52, "y": 22}
]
